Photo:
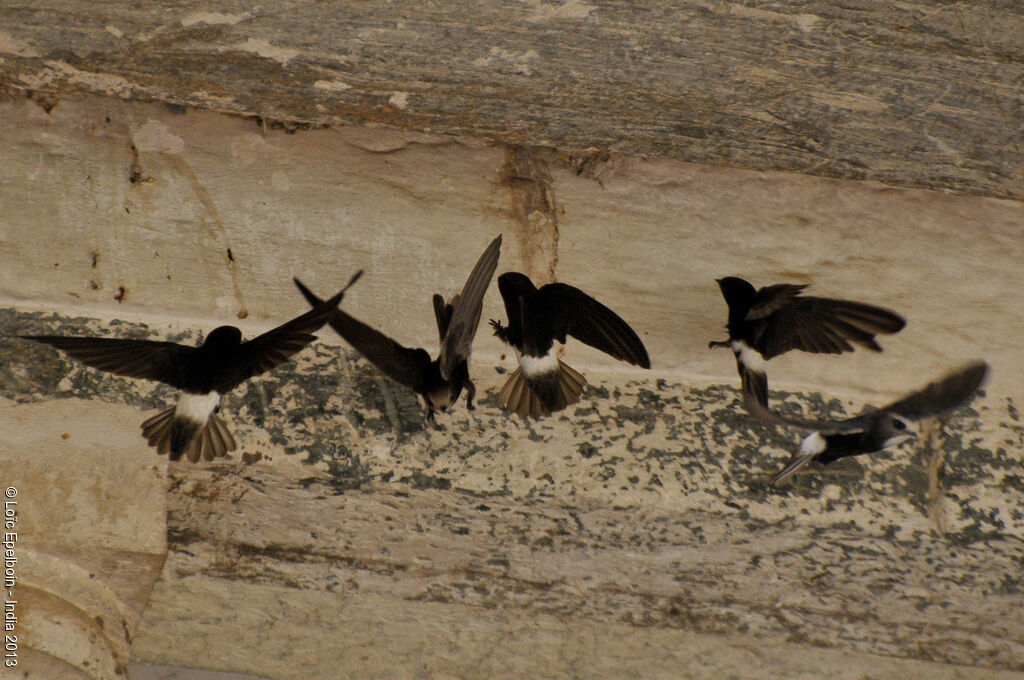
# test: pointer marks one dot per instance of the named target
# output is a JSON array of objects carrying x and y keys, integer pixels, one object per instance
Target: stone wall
[
  {"x": 350, "y": 534},
  {"x": 165, "y": 172}
]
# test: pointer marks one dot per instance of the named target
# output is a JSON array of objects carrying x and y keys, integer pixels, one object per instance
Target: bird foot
[{"x": 499, "y": 331}]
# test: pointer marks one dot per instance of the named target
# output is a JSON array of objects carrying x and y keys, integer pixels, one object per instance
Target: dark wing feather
[
  {"x": 759, "y": 410},
  {"x": 945, "y": 394},
  {"x": 949, "y": 392},
  {"x": 147, "y": 359},
  {"x": 771, "y": 299},
  {"x": 443, "y": 316},
  {"x": 276, "y": 346},
  {"x": 457, "y": 340},
  {"x": 407, "y": 366},
  {"x": 823, "y": 326},
  {"x": 589, "y": 321}
]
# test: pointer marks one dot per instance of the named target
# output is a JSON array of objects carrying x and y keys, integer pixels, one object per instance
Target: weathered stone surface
[
  {"x": 90, "y": 531},
  {"x": 645, "y": 506},
  {"x": 915, "y": 94},
  {"x": 635, "y": 529},
  {"x": 648, "y": 238}
]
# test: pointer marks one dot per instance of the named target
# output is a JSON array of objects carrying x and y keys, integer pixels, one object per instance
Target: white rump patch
[
  {"x": 538, "y": 365},
  {"x": 196, "y": 407},
  {"x": 750, "y": 357},
  {"x": 812, "y": 445}
]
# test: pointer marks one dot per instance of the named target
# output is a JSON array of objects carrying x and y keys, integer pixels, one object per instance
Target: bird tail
[
  {"x": 796, "y": 463},
  {"x": 755, "y": 387},
  {"x": 543, "y": 394},
  {"x": 810, "y": 449},
  {"x": 177, "y": 437}
]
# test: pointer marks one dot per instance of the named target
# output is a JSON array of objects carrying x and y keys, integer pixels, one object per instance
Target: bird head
[
  {"x": 514, "y": 284},
  {"x": 736, "y": 291},
  {"x": 441, "y": 398},
  {"x": 896, "y": 429},
  {"x": 223, "y": 337}
]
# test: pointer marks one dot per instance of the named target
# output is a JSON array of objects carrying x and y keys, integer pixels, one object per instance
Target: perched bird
[
  {"x": 203, "y": 374},
  {"x": 439, "y": 382},
  {"x": 775, "y": 319},
  {"x": 537, "y": 317},
  {"x": 878, "y": 429}
]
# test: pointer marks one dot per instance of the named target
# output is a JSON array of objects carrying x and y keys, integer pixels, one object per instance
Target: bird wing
[
  {"x": 590, "y": 322},
  {"x": 407, "y": 366},
  {"x": 147, "y": 359},
  {"x": 443, "y": 315},
  {"x": 821, "y": 325},
  {"x": 760, "y": 411},
  {"x": 771, "y": 299},
  {"x": 273, "y": 348},
  {"x": 457, "y": 338},
  {"x": 945, "y": 394}
]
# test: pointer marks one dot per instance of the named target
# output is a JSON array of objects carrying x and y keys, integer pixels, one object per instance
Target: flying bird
[
  {"x": 441, "y": 381},
  {"x": 776, "y": 319},
  {"x": 543, "y": 383},
  {"x": 203, "y": 374},
  {"x": 878, "y": 429}
]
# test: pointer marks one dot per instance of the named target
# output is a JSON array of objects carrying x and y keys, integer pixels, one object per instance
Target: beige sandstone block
[{"x": 635, "y": 528}]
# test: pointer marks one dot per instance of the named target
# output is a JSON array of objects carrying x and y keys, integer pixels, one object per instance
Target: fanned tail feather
[
  {"x": 755, "y": 386},
  {"x": 794, "y": 464},
  {"x": 212, "y": 441},
  {"x": 538, "y": 398},
  {"x": 157, "y": 431}
]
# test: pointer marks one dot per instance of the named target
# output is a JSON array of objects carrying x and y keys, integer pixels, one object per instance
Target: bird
[
  {"x": 439, "y": 382},
  {"x": 878, "y": 429},
  {"x": 543, "y": 383},
  {"x": 203, "y": 374},
  {"x": 776, "y": 319}
]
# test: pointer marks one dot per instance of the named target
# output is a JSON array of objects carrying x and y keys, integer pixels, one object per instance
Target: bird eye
[{"x": 898, "y": 424}]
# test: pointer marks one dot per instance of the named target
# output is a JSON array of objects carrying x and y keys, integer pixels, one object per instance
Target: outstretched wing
[
  {"x": 457, "y": 340},
  {"x": 443, "y": 315},
  {"x": 407, "y": 366},
  {"x": 276, "y": 346},
  {"x": 819, "y": 325},
  {"x": 760, "y": 411},
  {"x": 945, "y": 394},
  {"x": 940, "y": 396},
  {"x": 589, "y": 321},
  {"x": 147, "y": 359},
  {"x": 771, "y": 299}
]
